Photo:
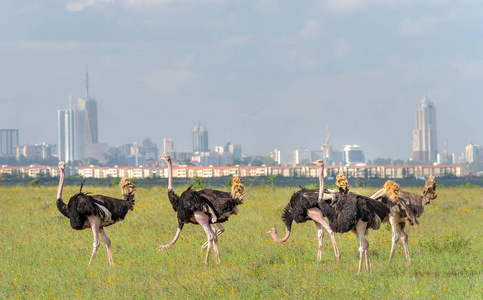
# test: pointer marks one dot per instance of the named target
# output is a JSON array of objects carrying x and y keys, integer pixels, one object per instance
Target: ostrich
[
  {"x": 302, "y": 207},
  {"x": 206, "y": 208},
  {"x": 96, "y": 211},
  {"x": 408, "y": 208},
  {"x": 352, "y": 212}
]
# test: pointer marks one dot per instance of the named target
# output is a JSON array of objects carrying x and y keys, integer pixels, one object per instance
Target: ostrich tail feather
[
  {"x": 128, "y": 189},
  {"x": 391, "y": 189},
  {"x": 342, "y": 183},
  {"x": 237, "y": 189},
  {"x": 429, "y": 190}
]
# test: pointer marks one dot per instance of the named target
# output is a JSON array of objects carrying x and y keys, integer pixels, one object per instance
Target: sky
[{"x": 265, "y": 74}]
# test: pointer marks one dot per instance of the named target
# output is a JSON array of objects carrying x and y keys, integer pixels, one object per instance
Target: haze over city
[{"x": 269, "y": 74}]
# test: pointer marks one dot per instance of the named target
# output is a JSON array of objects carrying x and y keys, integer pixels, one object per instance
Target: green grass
[{"x": 42, "y": 257}]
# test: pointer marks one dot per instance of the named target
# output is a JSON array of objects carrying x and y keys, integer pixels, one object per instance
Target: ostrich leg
[
  {"x": 404, "y": 237},
  {"x": 318, "y": 217},
  {"x": 107, "y": 242},
  {"x": 221, "y": 229},
  {"x": 95, "y": 224},
  {"x": 320, "y": 236},
  {"x": 395, "y": 235},
  {"x": 176, "y": 236},
  {"x": 364, "y": 245},
  {"x": 204, "y": 220}
]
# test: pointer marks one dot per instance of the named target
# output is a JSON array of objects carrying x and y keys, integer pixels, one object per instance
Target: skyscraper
[
  {"x": 66, "y": 134},
  {"x": 77, "y": 129},
  {"x": 200, "y": 139},
  {"x": 8, "y": 142},
  {"x": 425, "y": 143},
  {"x": 168, "y": 146}
]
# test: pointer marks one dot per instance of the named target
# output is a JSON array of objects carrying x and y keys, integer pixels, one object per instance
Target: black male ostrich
[
  {"x": 206, "y": 208},
  {"x": 96, "y": 211},
  {"x": 302, "y": 207},
  {"x": 408, "y": 207},
  {"x": 352, "y": 212}
]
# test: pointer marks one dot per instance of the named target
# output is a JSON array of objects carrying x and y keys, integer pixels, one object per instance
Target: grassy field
[{"x": 42, "y": 257}]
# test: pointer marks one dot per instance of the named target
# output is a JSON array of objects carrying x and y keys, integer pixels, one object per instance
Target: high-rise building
[
  {"x": 66, "y": 134},
  {"x": 473, "y": 153},
  {"x": 353, "y": 154},
  {"x": 8, "y": 142},
  {"x": 168, "y": 146},
  {"x": 86, "y": 127},
  {"x": 77, "y": 130},
  {"x": 200, "y": 139},
  {"x": 425, "y": 144}
]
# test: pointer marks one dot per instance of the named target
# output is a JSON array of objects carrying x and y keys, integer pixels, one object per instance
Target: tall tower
[
  {"x": 86, "y": 123},
  {"x": 425, "y": 143},
  {"x": 8, "y": 142},
  {"x": 200, "y": 138},
  {"x": 66, "y": 134},
  {"x": 77, "y": 128}
]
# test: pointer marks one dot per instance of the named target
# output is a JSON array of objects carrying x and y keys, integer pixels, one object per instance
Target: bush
[
  {"x": 34, "y": 182},
  {"x": 360, "y": 183}
]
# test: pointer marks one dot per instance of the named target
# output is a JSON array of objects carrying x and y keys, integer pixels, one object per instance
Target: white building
[{"x": 353, "y": 155}]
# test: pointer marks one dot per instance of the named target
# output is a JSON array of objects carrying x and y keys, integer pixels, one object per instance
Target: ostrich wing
[{"x": 222, "y": 201}]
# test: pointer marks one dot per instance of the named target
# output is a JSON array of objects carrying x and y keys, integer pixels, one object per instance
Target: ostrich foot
[{"x": 163, "y": 247}]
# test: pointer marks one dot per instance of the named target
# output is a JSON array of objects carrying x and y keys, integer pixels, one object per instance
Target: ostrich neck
[
  {"x": 61, "y": 184},
  {"x": 281, "y": 240},
  {"x": 321, "y": 182},
  {"x": 170, "y": 176}
]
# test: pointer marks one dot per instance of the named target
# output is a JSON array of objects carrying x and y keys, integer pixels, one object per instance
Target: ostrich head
[
  {"x": 318, "y": 163},
  {"x": 167, "y": 158},
  {"x": 61, "y": 165}
]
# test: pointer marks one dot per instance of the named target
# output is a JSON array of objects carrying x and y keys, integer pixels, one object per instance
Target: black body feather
[
  {"x": 222, "y": 202},
  {"x": 208, "y": 201},
  {"x": 348, "y": 209},
  {"x": 82, "y": 205},
  {"x": 296, "y": 209}
]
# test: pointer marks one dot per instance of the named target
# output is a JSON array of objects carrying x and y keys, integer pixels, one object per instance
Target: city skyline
[{"x": 159, "y": 67}]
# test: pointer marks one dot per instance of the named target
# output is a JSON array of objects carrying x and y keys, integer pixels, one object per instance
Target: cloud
[
  {"x": 300, "y": 59},
  {"x": 144, "y": 3},
  {"x": 310, "y": 30},
  {"x": 268, "y": 7},
  {"x": 420, "y": 27},
  {"x": 467, "y": 69},
  {"x": 341, "y": 49},
  {"x": 342, "y": 6},
  {"x": 175, "y": 79},
  {"x": 79, "y": 6},
  {"x": 234, "y": 41}
]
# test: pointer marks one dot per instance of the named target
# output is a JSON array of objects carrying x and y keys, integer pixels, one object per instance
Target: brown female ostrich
[
  {"x": 96, "y": 211},
  {"x": 206, "y": 208},
  {"x": 352, "y": 212},
  {"x": 408, "y": 207}
]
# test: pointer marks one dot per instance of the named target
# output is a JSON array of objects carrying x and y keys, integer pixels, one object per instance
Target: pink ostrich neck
[
  {"x": 321, "y": 182},
  {"x": 170, "y": 174},
  {"x": 279, "y": 240},
  {"x": 61, "y": 183}
]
